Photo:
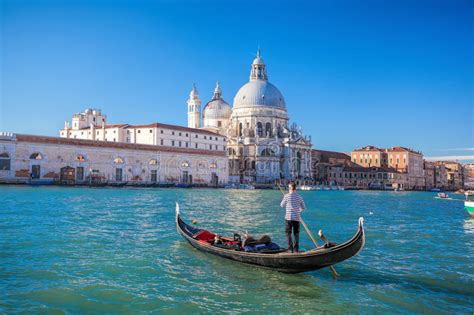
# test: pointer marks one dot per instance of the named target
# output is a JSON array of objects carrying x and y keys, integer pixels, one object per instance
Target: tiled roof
[
  {"x": 117, "y": 145},
  {"x": 368, "y": 148},
  {"x": 332, "y": 154}
]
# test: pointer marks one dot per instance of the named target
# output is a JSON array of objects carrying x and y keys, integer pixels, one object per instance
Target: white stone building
[
  {"x": 262, "y": 147},
  {"x": 26, "y": 158},
  {"x": 92, "y": 125}
]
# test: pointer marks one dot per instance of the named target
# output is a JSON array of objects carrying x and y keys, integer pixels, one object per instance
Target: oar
[{"x": 333, "y": 271}]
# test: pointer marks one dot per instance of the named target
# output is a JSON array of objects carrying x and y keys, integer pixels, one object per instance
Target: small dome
[
  {"x": 259, "y": 93},
  {"x": 258, "y": 61},
  {"x": 216, "y": 109}
]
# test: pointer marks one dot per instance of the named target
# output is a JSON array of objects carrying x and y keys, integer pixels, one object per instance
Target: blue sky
[{"x": 353, "y": 73}]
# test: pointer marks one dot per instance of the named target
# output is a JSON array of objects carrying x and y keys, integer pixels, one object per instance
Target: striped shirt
[{"x": 293, "y": 204}]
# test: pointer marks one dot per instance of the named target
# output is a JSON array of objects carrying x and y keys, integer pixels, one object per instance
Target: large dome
[
  {"x": 217, "y": 109},
  {"x": 259, "y": 93}
]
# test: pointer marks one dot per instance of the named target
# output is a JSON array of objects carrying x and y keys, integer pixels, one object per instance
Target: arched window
[
  {"x": 260, "y": 129},
  {"x": 118, "y": 160},
  {"x": 4, "y": 162},
  {"x": 268, "y": 129},
  {"x": 240, "y": 129},
  {"x": 231, "y": 151},
  {"x": 36, "y": 156},
  {"x": 267, "y": 152},
  {"x": 80, "y": 158},
  {"x": 153, "y": 162}
]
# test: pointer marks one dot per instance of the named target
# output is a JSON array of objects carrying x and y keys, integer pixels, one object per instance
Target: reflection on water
[
  {"x": 469, "y": 226},
  {"x": 84, "y": 250}
]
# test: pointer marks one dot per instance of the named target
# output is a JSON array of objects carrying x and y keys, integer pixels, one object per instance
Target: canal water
[{"x": 116, "y": 250}]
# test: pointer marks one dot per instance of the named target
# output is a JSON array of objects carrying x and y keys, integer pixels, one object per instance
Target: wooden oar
[{"x": 333, "y": 271}]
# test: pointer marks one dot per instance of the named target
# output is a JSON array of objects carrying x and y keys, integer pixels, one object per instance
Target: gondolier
[{"x": 294, "y": 204}]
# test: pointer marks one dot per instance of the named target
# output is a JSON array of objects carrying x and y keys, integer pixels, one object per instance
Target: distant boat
[
  {"x": 469, "y": 193},
  {"x": 443, "y": 195},
  {"x": 469, "y": 206}
]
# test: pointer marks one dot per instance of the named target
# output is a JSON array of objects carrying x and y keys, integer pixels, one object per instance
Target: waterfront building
[
  {"x": 441, "y": 175},
  {"x": 401, "y": 159},
  {"x": 321, "y": 161},
  {"x": 262, "y": 145},
  {"x": 468, "y": 171},
  {"x": 450, "y": 175},
  {"x": 92, "y": 125},
  {"x": 360, "y": 177},
  {"x": 26, "y": 158},
  {"x": 370, "y": 156},
  {"x": 429, "y": 171}
]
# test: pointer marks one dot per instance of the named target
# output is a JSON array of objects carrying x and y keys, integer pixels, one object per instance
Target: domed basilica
[{"x": 261, "y": 145}]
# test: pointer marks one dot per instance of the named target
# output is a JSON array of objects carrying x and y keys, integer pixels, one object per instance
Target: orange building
[{"x": 369, "y": 156}]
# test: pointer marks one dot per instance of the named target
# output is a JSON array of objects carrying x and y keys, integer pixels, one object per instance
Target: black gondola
[{"x": 282, "y": 260}]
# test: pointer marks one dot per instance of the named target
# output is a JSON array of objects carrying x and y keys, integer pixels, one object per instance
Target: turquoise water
[{"x": 104, "y": 250}]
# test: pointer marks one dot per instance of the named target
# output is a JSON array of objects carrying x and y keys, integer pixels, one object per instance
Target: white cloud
[
  {"x": 458, "y": 149},
  {"x": 450, "y": 158}
]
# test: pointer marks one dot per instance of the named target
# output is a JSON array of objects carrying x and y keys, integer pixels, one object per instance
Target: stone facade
[
  {"x": 25, "y": 157},
  {"x": 322, "y": 160},
  {"x": 366, "y": 177},
  {"x": 468, "y": 171}
]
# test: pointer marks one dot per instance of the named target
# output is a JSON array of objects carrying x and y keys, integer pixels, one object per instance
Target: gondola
[{"x": 280, "y": 260}]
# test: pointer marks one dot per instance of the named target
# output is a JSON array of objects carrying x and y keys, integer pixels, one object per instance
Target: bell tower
[{"x": 194, "y": 109}]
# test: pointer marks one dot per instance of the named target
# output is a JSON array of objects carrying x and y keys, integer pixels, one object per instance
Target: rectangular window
[
  {"x": 180, "y": 134},
  {"x": 196, "y": 136},
  {"x": 151, "y": 131},
  {"x": 172, "y": 132},
  {"x": 137, "y": 131},
  {"x": 180, "y": 143},
  {"x": 216, "y": 138},
  {"x": 186, "y": 134},
  {"x": 161, "y": 141},
  {"x": 196, "y": 145},
  {"x": 219, "y": 124},
  {"x": 186, "y": 144},
  {"x": 172, "y": 143},
  {"x": 161, "y": 131}
]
